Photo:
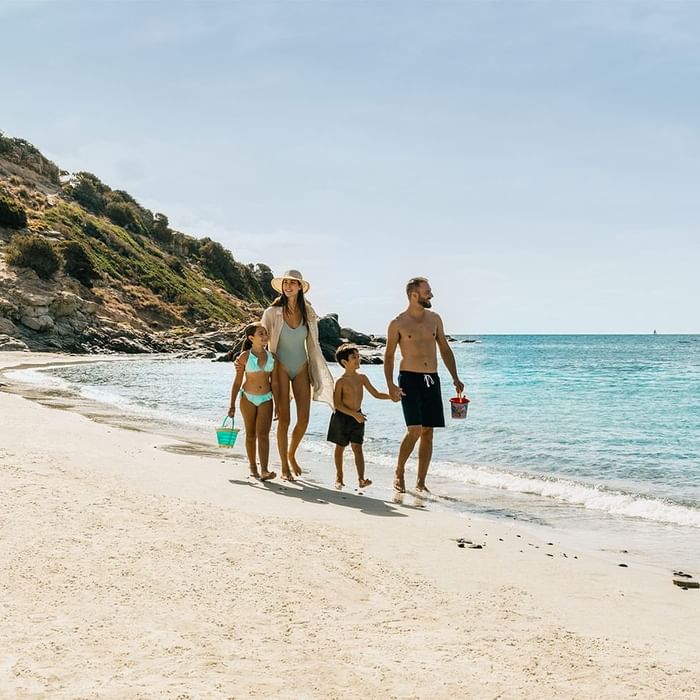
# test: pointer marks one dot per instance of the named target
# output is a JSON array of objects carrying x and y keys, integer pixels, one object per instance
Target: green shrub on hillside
[
  {"x": 12, "y": 213},
  {"x": 126, "y": 216},
  {"x": 89, "y": 191},
  {"x": 34, "y": 252},
  {"x": 78, "y": 264}
]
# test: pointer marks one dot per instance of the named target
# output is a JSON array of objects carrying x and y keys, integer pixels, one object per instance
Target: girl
[
  {"x": 292, "y": 325},
  {"x": 259, "y": 368}
]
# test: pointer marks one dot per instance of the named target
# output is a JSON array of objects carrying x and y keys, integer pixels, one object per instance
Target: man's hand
[
  {"x": 395, "y": 392},
  {"x": 459, "y": 386}
]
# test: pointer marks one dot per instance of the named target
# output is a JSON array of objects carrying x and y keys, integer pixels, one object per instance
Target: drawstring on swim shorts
[{"x": 429, "y": 381}]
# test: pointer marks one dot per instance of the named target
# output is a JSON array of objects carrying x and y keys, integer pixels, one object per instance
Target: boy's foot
[
  {"x": 339, "y": 484},
  {"x": 294, "y": 465},
  {"x": 422, "y": 488},
  {"x": 365, "y": 482},
  {"x": 266, "y": 475},
  {"x": 399, "y": 484}
]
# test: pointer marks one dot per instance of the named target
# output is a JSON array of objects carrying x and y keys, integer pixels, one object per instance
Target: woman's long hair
[
  {"x": 283, "y": 302},
  {"x": 249, "y": 331}
]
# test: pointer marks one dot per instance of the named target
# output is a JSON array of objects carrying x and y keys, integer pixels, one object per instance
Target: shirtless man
[{"x": 417, "y": 332}]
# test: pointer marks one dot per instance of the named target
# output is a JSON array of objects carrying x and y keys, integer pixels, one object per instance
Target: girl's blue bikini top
[{"x": 253, "y": 366}]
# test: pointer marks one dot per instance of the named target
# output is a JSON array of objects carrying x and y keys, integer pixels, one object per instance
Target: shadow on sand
[{"x": 313, "y": 493}]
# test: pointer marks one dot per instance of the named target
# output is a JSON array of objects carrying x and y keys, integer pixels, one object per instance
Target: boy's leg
[
  {"x": 360, "y": 464},
  {"x": 263, "y": 424},
  {"x": 250, "y": 412},
  {"x": 339, "y": 449}
]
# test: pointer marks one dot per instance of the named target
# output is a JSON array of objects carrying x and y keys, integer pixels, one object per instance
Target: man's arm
[
  {"x": 447, "y": 355},
  {"x": 392, "y": 340}
]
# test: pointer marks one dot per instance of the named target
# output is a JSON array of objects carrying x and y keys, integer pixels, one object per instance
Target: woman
[{"x": 292, "y": 326}]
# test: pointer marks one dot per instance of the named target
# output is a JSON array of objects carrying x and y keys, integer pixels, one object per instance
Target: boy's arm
[
  {"x": 392, "y": 339},
  {"x": 447, "y": 355},
  {"x": 368, "y": 385},
  {"x": 237, "y": 383},
  {"x": 339, "y": 403}
]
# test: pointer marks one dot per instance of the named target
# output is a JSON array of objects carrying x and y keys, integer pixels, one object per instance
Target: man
[{"x": 417, "y": 331}]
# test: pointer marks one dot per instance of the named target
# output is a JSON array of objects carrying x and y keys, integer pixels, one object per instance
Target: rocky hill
[{"x": 85, "y": 268}]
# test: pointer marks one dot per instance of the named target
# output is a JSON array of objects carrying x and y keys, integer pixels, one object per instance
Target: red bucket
[{"x": 459, "y": 406}]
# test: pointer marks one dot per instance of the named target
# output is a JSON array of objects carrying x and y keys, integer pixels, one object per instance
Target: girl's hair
[
  {"x": 250, "y": 330},
  {"x": 282, "y": 301}
]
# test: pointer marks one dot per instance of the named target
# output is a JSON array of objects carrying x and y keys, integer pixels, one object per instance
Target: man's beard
[{"x": 425, "y": 303}]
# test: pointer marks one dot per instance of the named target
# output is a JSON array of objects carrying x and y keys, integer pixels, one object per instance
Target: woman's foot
[
  {"x": 294, "y": 465},
  {"x": 400, "y": 484},
  {"x": 422, "y": 488},
  {"x": 365, "y": 482},
  {"x": 266, "y": 475}
]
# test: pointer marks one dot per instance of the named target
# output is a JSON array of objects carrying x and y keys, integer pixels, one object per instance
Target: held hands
[{"x": 395, "y": 392}]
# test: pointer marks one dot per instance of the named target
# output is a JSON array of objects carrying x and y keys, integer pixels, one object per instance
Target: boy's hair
[
  {"x": 413, "y": 284},
  {"x": 342, "y": 354},
  {"x": 250, "y": 330}
]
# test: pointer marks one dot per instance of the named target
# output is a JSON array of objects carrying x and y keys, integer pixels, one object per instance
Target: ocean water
[{"x": 594, "y": 434}]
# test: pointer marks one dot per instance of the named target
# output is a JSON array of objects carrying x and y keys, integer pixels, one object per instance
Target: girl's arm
[
  {"x": 237, "y": 383},
  {"x": 377, "y": 394},
  {"x": 275, "y": 386}
]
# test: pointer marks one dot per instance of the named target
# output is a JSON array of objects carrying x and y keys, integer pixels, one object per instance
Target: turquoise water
[{"x": 560, "y": 428}]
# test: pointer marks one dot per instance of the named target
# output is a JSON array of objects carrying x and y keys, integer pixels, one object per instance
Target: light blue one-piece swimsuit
[{"x": 291, "y": 348}]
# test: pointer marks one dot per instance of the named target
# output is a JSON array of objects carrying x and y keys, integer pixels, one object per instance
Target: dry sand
[{"x": 132, "y": 571}]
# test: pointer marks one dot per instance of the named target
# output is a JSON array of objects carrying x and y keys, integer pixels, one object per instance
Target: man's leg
[
  {"x": 413, "y": 432},
  {"x": 425, "y": 453}
]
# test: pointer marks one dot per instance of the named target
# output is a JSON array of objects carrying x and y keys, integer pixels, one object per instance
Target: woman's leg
[
  {"x": 262, "y": 429},
  {"x": 250, "y": 412},
  {"x": 301, "y": 385},
  {"x": 283, "y": 418}
]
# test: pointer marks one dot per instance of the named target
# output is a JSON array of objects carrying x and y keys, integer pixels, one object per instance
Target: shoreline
[
  {"x": 135, "y": 568},
  {"x": 615, "y": 538}
]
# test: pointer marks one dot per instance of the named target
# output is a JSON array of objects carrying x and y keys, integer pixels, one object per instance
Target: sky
[{"x": 539, "y": 162}]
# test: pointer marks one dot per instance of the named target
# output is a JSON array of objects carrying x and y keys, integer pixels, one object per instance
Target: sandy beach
[{"x": 135, "y": 567}]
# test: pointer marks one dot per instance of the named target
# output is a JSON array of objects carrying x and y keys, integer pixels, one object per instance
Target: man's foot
[
  {"x": 365, "y": 482},
  {"x": 422, "y": 488},
  {"x": 339, "y": 485},
  {"x": 294, "y": 465},
  {"x": 399, "y": 484},
  {"x": 266, "y": 475}
]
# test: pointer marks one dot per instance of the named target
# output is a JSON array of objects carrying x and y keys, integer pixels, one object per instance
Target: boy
[{"x": 348, "y": 422}]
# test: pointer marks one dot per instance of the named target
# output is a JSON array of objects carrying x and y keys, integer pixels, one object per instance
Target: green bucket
[{"x": 226, "y": 436}]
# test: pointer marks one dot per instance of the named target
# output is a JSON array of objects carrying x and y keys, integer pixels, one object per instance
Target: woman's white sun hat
[{"x": 290, "y": 275}]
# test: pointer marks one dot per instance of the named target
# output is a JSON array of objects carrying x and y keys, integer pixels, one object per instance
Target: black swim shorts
[
  {"x": 344, "y": 429},
  {"x": 422, "y": 403}
]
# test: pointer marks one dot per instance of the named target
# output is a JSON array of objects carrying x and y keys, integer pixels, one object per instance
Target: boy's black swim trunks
[
  {"x": 344, "y": 429},
  {"x": 422, "y": 403}
]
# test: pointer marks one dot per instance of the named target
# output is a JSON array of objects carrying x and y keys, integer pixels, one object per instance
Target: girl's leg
[
  {"x": 249, "y": 412},
  {"x": 283, "y": 418},
  {"x": 339, "y": 449},
  {"x": 301, "y": 385},
  {"x": 262, "y": 429}
]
